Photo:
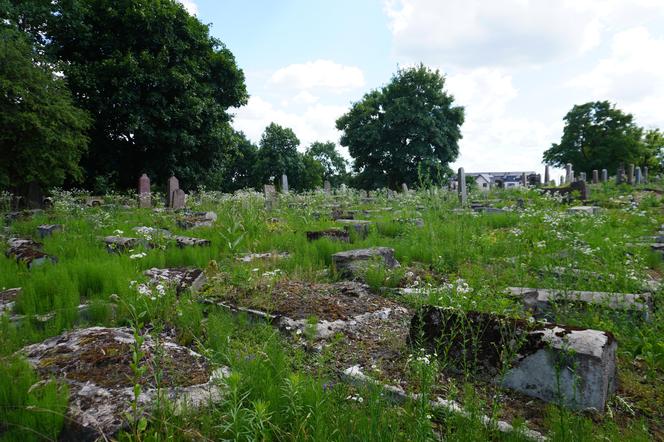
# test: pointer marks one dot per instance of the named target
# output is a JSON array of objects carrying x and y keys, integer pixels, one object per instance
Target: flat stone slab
[
  {"x": 151, "y": 233},
  {"x": 542, "y": 301},
  {"x": 49, "y": 229},
  {"x": 197, "y": 219},
  {"x": 353, "y": 262},
  {"x": 28, "y": 252},
  {"x": 180, "y": 277},
  {"x": 119, "y": 244},
  {"x": 333, "y": 234},
  {"x": 250, "y": 257},
  {"x": 585, "y": 210},
  {"x": 575, "y": 367},
  {"x": 95, "y": 364},
  {"x": 360, "y": 226}
]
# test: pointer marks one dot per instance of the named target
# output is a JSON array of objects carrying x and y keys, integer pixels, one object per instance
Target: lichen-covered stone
[{"x": 351, "y": 263}]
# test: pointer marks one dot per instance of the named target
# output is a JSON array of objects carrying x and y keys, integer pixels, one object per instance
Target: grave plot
[
  {"x": 28, "y": 252},
  {"x": 95, "y": 365}
]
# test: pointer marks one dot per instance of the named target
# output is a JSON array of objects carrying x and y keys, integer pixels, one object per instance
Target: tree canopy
[
  {"x": 334, "y": 165},
  {"x": 403, "y": 130},
  {"x": 156, "y": 84},
  {"x": 597, "y": 135},
  {"x": 42, "y": 133}
]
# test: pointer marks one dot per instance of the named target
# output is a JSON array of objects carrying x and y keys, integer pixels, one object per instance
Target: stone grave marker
[
  {"x": 569, "y": 174},
  {"x": 630, "y": 174},
  {"x": 461, "y": 185},
  {"x": 172, "y": 186},
  {"x": 284, "y": 183},
  {"x": 637, "y": 175},
  {"x": 595, "y": 176},
  {"x": 605, "y": 175},
  {"x": 270, "y": 196},
  {"x": 645, "y": 174},
  {"x": 178, "y": 199},
  {"x": 547, "y": 178},
  {"x": 327, "y": 187},
  {"x": 144, "y": 197},
  {"x": 404, "y": 187}
]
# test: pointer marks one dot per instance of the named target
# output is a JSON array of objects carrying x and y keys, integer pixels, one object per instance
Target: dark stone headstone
[
  {"x": 144, "y": 197},
  {"x": 172, "y": 186},
  {"x": 178, "y": 199}
]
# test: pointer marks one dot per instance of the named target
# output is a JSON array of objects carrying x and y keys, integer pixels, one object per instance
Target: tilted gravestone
[
  {"x": 178, "y": 199},
  {"x": 144, "y": 197},
  {"x": 463, "y": 195},
  {"x": 172, "y": 186}
]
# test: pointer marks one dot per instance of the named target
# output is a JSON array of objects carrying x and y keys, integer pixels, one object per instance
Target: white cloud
[
  {"x": 314, "y": 123},
  {"x": 632, "y": 76},
  {"x": 190, "y": 6},
  {"x": 475, "y": 33},
  {"x": 324, "y": 74}
]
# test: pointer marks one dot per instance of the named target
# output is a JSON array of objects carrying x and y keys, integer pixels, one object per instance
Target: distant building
[{"x": 487, "y": 180}]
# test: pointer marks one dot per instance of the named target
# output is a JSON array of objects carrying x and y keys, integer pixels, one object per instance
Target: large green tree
[
  {"x": 334, "y": 165},
  {"x": 156, "y": 83},
  {"x": 597, "y": 135},
  {"x": 42, "y": 133},
  {"x": 653, "y": 150},
  {"x": 403, "y": 130}
]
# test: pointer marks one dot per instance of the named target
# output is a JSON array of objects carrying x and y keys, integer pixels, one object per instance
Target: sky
[{"x": 517, "y": 66}]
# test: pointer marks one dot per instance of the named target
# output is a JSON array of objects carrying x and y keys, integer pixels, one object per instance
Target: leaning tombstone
[
  {"x": 144, "y": 198},
  {"x": 605, "y": 175},
  {"x": 630, "y": 174},
  {"x": 463, "y": 195},
  {"x": 637, "y": 175},
  {"x": 178, "y": 199},
  {"x": 284, "y": 183},
  {"x": 595, "y": 176},
  {"x": 172, "y": 186}
]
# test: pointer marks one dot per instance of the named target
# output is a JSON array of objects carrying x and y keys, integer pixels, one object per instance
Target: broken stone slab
[
  {"x": 197, "y": 219},
  {"x": 28, "y": 252},
  {"x": 95, "y": 364},
  {"x": 360, "y": 226},
  {"x": 543, "y": 301},
  {"x": 354, "y": 376},
  {"x": 567, "y": 365},
  {"x": 338, "y": 214},
  {"x": 186, "y": 241},
  {"x": 49, "y": 229},
  {"x": 8, "y": 299},
  {"x": 353, "y": 262},
  {"x": 249, "y": 257},
  {"x": 585, "y": 210},
  {"x": 333, "y": 234},
  {"x": 119, "y": 244},
  {"x": 180, "y": 277},
  {"x": 181, "y": 241}
]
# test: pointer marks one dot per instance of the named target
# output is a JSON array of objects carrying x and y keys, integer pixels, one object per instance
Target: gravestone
[
  {"x": 645, "y": 174},
  {"x": 595, "y": 176},
  {"x": 524, "y": 179},
  {"x": 569, "y": 174},
  {"x": 270, "y": 196},
  {"x": 178, "y": 199},
  {"x": 284, "y": 183},
  {"x": 404, "y": 187},
  {"x": 363, "y": 194},
  {"x": 605, "y": 175},
  {"x": 582, "y": 176},
  {"x": 327, "y": 187},
  {"x": 546, "y": 175},
  {"x": 144, "y": 197},
  {"x": 619, "y": 175},
  {"x": 630, "y": 174},
  {"x": 172, "y": 186},
  {"x": 637, "y": 175},
  {"x": 463, "y": 195},
  {"x": 35, "y": 196}
]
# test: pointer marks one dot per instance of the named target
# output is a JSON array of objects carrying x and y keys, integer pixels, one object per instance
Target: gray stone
[
  {"x": 582, "y": 176},
  {"x": 404, "y": 187},
  {"x": 353, "y": 262},
  {"x": 630, "y": 174},
  {"x": 585, "y": 210},
  {"x": 270, "y": 196},
  {"x": 118, "y": 244},
  {"x": 332, "y": 234},
  {"x": 181, "y": 278},
  {"x": 605, "y": 175},
  {"x": 192, "y": 220},
  {"x": 268, "y": 256},
  {"x": 327, "y": 187},
  {"x": 574, "y": 367},
  {"x": 547, "y": 178},
  {"x": 178, "y": 199},
  {"x": 542, "y": 301},
  {"x": 28, "y": 252},
  {"x": 645, "y": 174},
  {"x": 144, "y": 196},
  {"x": 171, "y": 187},
  {"x": 569, "y": 173},
  {"x": 284, "y": 183},
  {"x": 637, "y": 175},
  {"x": 461, "y": 185},
  {"x": 48, "y": 229},
  {"x": 8, "y": 299},
  {"x": 360, "y": 226},
  {"x": 595, "y": 176}
]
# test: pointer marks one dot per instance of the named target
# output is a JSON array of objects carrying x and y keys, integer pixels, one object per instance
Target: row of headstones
[
  {"x": 175, "y": 197},
  {"x": 633, "y": 175}
]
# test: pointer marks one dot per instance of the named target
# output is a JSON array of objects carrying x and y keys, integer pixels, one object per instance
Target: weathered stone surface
[
  {"x": 338, "y": 214},
  {"x": 585, "y": 210},
  {"x": 118, "y": 244},
  {"x": 543, "y": 301},
  {"x": 181, "y": 277},
  {"x": 8, "y": 299},
  {"x": 488, "y": 209},
  {"x": 327, "y": 187},
  {"x": 187, "y": 241},
  {"x": 352, "y": 262},
  {"x": 28, "y": 252},
  {"x": 197, "y": 219},
  {"x": 284, "y": 183},
  {"x": 249, "y": 257},
  {"x": 575, "y": 367},
  {"x": 333, "y": 234},
  {"x": 48, "y": 229},
  {"x": 181, "y": 241},
  {"x": 95, "y": 364},
  {"x": 360, "y": 226},
  {"x": 172, "y": 185},
  {"x": 144, "y": 196},
  {"x": 417, "y": 222},
  {"x": 178, "y": 199},
  {"x": 461, "y": 186}
]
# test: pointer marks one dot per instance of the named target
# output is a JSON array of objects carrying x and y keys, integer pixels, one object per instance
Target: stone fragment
[
  {"x": 48, "y": 229},
  {"x": 194, "y": 220},
  {"x": 28, "y": 252},
  {"x": 119, "y": 244},
  {"x": 542, "y": 301},
  {"x": 574, "y": 367},
  {"x": 95, "y": 364},
  {"x": 327, "y": 187},
  {"x": 180, "y": 277},
  {"x": 8, "y": 299},
  {"x": 284, "y": 183},
  {"x": 585, "y": 210},
  {"x": 249, "y": 257},
  {"x": 360, "y": 226},
  {"x": 352, "y": 263},
  {"x": 333, "y": 234}
]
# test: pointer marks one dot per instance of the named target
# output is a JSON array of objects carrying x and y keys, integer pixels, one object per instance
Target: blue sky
[{"x": 518, "y": 66}]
